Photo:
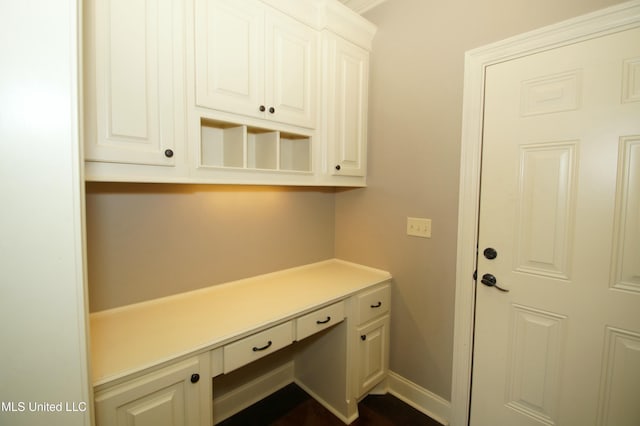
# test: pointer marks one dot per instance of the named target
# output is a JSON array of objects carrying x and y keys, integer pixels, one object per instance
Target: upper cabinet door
[
  {"x": 291, "y": 71},
  {"x": 133, "y": 80},
  {"x": 347, "y": 107},
  {"x": 255, "y": 61},
  {"x": 229, "y": 38}
]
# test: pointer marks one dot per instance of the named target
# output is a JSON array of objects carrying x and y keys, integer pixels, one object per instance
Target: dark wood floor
[{"x": 291, "y": 406}]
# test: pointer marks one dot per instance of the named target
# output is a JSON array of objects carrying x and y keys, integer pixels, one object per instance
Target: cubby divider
[{"x": 230, "y": 145}]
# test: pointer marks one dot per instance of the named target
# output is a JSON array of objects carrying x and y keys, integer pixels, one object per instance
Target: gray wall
[
  {"x": 146, "y": 241},
  {"x": 414, "y": 147}
]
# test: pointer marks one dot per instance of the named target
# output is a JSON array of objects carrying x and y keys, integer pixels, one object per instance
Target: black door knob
[
  {"x": 168, "y": 153},
  {"x": 195, "y": 377},
  {"x": 490, "y": 253},
  {"x": 491, "y": 281}
]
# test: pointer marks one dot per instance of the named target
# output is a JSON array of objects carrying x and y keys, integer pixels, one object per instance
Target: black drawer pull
[
  {"x": 377, "y": 305},
  {"x": 325, "y": 321},
  {"x": 257, "y": 349}
]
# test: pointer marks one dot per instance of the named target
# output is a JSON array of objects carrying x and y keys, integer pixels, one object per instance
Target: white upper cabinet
[
  {"x": 255, "y": 61},
  {"x": 134, "y": 108},
  {"x": 346, "y": 107},
  {"x": 225, "y": 91}
]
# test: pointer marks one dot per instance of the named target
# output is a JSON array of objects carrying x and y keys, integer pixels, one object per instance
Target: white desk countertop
[{"x": 131, "y": 338}]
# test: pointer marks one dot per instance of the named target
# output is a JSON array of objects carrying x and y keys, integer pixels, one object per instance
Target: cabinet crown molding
[{"x": 331, "y": 15}]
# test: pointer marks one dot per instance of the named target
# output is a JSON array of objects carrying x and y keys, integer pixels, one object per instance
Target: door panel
[
  {"x": 546, "y": 189},
  {"x": 620, "y": 386},
  {"x": 560, "y": 204},
  {"x": 626, "y": 264}
]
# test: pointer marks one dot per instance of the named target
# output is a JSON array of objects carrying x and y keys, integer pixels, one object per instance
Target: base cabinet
[
  {"x": 177, "y": 395},
  {"x": 373, "y": 354},
  {"x": 332, "y": 341},
  {"x": 372, "y": 335}
]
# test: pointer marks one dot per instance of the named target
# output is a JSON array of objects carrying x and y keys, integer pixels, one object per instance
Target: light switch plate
[{"x": 419, "y": 227}]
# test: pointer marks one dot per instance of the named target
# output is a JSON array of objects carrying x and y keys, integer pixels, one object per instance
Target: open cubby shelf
[{"x": 238, "y": 146}]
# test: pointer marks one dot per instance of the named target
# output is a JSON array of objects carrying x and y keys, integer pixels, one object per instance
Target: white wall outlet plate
[{"x": 419, "y": 227}]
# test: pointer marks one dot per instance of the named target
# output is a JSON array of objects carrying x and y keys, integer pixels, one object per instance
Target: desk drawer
[
  {"x": 373, "y": 303},
  {"x": 254, "y": 347},
  {"x": 319, "y": 320}
]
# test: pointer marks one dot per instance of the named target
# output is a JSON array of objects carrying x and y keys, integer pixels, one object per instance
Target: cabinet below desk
[{"x": 158, "y": 357}]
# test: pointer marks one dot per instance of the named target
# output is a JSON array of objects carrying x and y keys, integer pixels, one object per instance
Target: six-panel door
[{"x": 560, "y": 206}]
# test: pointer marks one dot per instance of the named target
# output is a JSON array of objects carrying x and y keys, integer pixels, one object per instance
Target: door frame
[{"x": 596, "y": 24}]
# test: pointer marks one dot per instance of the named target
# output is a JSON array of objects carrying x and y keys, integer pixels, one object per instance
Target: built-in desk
[{"x": 155, "y": 358}]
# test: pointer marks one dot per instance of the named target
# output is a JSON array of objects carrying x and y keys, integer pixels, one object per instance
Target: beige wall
[
  {"x": 414, "y": 146},
  {"x": 146, "y": 241}
]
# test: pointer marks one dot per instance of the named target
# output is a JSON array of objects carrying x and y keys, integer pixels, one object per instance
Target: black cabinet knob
[
  {"x": 363, "y": 337},
  {"x": 272, "y": 110},
  {"x": 168, "y": 153},
  {"x": 262, "y": 108},
  {"x": 338, "y": 167},
  {"x": 195, "y": 377}
]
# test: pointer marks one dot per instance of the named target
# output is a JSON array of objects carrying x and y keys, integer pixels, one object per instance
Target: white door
[{"x": 560, "y": 206}]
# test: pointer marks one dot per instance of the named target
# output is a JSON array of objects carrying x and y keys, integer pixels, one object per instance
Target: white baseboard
[
  {"x": 419, "y": 398},
  {"x": 242, "y": 397}
]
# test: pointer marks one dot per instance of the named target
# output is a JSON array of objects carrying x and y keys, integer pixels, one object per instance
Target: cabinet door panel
[
  {"x": 130, "y": 80},
  {"x": 166, "y": 397},
  {"x": 348, "y": 131},
  {"x": 229, "y": 37},
  {"x": 291, "y": 71},
  {"x": 162, "y": 408},
  {"x": 373, "y": 354}
]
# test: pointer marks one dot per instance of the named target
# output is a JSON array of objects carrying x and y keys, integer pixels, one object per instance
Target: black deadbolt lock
[{"x": 490, "y": 253}]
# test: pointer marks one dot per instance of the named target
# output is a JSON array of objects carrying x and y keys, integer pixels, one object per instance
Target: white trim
[
  {"x": 596, "y": 24},
  {"x": 434, "y": 406}
]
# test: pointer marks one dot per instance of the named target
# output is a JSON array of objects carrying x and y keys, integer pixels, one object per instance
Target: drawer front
[
  {"x": 254, "y": 347},
  {"x": 373, "y": 303},
  {"x": 319, "y": 320}
]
